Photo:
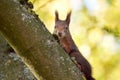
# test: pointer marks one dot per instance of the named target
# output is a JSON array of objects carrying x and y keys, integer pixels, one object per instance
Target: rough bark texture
[
  {"x": 31, "y": 40},
  {"x": 11, "y": 65}
]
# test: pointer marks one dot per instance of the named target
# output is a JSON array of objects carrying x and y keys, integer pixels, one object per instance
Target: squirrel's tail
[{"x": 90, "y": 78}]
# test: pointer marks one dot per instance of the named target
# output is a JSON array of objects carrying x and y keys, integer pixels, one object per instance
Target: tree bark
[{"x": 32, "y": 41}]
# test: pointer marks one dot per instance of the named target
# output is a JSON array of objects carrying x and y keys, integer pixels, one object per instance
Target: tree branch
[{"x": 31, "y": 40}]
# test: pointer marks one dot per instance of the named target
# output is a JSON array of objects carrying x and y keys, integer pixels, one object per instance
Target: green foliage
[{"x": 96, "y": 35}]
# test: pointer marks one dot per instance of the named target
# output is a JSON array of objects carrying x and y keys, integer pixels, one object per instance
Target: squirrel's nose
[{"x": 60, "y": 34}]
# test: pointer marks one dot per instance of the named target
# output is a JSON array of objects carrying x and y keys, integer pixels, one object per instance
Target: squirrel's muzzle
[{"x": 60, "y": 34}]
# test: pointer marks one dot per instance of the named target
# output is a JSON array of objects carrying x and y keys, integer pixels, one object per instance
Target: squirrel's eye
[
  {"x": 66, "y": 27},
  {"x": 55, "y": 26}
]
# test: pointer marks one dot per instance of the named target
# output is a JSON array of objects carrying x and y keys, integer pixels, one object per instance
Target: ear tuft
[
  {"x": 56, "y": 16},
  {"x": 68, "y": 17}
]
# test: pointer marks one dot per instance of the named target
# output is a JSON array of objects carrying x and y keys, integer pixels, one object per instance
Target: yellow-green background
[{"x": 95, "y": 28}]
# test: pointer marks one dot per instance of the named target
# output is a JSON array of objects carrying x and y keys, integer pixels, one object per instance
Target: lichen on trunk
[{"x": 34, "y": 44}]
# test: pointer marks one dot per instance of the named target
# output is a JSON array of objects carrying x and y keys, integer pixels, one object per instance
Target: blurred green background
[{"x": 95, "y": 28}]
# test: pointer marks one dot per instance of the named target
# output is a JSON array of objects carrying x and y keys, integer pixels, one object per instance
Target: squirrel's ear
[
  {"x": 56, "y": 16},
  {"x": 68, "y": 17}
]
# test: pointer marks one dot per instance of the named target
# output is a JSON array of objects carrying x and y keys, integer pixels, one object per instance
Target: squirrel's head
[{"x": 61, "y": 28}]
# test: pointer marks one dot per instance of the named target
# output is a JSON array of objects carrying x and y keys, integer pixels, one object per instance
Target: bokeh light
[{"x": 95, "y": 28}]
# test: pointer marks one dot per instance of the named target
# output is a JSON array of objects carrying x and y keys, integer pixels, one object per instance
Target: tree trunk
[{"x": 31, "y": 40}]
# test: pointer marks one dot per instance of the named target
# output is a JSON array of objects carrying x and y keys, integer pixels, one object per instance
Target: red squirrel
[{"x": 61, "y": 30}]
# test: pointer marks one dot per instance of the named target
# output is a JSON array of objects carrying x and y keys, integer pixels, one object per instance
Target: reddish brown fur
[{"x": 65, "y": 39}]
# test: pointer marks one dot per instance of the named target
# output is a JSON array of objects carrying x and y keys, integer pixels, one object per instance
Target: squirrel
[{"x": 62, "y": 33}]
